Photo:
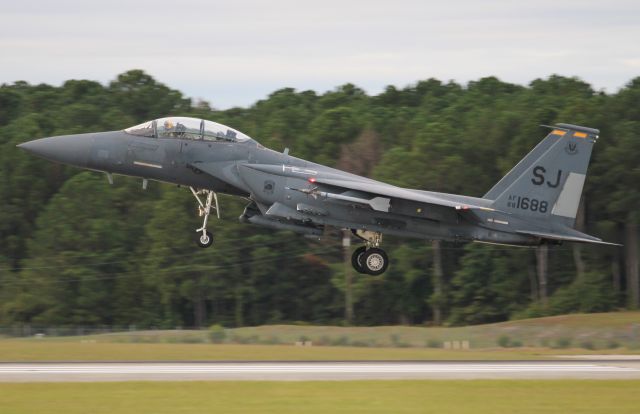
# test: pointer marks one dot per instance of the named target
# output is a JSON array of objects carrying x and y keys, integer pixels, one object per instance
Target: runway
[{"x": 305, "y": 371}]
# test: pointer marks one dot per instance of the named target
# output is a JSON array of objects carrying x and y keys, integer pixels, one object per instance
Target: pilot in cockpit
[{"x": 168, "y": 126}]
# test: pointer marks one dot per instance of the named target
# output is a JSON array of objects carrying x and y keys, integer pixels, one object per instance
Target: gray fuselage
[{"x": 273, "y": 181}]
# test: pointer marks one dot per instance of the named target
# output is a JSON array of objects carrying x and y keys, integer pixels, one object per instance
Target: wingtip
[{"x": 602, "y": 242}]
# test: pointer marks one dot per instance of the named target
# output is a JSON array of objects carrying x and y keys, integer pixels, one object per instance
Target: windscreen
[
  {"x": 214, "y": 131},
  {"x": 187, "y": 128},
  {"x": 144, "y": 129},
  {"x": 178, "y": 127}
]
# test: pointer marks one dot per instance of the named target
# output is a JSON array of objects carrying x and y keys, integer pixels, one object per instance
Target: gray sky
[{"x": 238, "y": 51}]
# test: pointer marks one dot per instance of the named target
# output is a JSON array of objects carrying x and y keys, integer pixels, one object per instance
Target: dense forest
[{"x": 75, "y": 250}]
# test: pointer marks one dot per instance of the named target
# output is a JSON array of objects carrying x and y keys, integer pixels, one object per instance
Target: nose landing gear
[
  {"x": 204, "y": 240},
  {"x": 369, "y": 259},
  {"x": 204, "y": 237}
]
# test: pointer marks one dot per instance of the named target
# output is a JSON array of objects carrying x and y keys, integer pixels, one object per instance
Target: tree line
[{"x": 75, "y": 250}]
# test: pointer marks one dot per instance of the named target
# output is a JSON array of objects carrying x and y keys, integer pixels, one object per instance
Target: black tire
[
  {"x": 375, "y": 261},
  {"x": 204, "y": 240},
  {"x": 356, "y": 259}
]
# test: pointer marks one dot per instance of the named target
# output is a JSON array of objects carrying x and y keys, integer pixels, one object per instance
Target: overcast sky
[{"x": 232, "y": 53}]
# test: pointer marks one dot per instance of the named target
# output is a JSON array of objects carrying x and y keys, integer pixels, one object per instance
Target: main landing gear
[
  {"x": 369, "y": 259},
  {"x": 204, "y": 237}
]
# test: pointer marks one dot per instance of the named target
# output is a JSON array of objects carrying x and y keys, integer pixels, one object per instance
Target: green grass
[
  {"x": 602, "y": 330},
  {"x": 531, "y": 339},
  {"x": 452, "y": 397},
  {"x": 39, "y": 350}
]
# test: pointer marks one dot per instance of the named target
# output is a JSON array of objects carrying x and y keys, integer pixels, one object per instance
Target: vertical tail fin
[{"x": 548, "y": 182}]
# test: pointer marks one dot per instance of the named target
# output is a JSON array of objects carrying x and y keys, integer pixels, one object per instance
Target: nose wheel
[
  {"x": 370, "y": 259},
  {"x": 204, "y": 237},
  {"x": 204, "y": 240}
]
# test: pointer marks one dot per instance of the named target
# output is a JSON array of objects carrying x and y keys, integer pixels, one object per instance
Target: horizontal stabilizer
[{"x": 578, "y": 237}]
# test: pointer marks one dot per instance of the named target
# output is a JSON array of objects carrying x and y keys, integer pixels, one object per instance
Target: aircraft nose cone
[{"x": 66, "y": 149}]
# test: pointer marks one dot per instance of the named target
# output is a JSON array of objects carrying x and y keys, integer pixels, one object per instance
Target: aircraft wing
[
  {"x": 385, "y": 190},
  {"x": 577, "y": 237},
  {"x": 355, "y": 189}
]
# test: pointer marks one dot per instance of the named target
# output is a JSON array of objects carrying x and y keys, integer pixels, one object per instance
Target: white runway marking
[{"x": 308, "y": 371}]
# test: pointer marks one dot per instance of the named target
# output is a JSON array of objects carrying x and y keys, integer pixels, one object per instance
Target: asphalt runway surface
[{"x": 307, "y": 371}]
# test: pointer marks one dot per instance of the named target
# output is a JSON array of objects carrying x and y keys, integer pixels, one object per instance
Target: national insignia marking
[{"x": 571, "y": 148}]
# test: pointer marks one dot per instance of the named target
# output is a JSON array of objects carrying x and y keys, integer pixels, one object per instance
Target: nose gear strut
[{"x": 205, "y": 238}]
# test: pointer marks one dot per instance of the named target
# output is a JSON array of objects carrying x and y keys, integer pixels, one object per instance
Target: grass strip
[{"x": 453, "y": 397}]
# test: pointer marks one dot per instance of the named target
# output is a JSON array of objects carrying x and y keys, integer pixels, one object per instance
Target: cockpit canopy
[{"x": 187, "y": 128}]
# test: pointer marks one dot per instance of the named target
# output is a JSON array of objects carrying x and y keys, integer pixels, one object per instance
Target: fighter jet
[{"x": 535, "y": 203}]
